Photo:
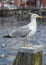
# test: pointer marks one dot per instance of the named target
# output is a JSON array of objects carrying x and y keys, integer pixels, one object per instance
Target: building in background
[
  {"x": 43, "y": 3},
  {"x": 31, "y": 3},
  {"x": 20, "y": 3},
  {"x": 24, "y": 3}
]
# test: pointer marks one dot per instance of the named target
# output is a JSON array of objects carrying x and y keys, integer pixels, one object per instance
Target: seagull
[{"x": 25, "y": 31}]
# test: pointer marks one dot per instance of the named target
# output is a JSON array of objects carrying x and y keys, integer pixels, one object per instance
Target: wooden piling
[{"x": 29, "y": 56}]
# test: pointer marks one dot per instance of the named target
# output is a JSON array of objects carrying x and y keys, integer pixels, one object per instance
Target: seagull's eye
[{"x": 34, "y": 15}]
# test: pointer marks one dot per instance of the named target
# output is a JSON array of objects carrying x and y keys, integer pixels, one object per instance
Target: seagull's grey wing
[{"x": 23, "y": 31}]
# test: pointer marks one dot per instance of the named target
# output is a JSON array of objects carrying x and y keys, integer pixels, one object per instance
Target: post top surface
[{"x": 33, "y": 49}]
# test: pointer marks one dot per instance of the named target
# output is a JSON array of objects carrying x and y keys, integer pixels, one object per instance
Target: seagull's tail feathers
[{"x": 7, "y": 36}]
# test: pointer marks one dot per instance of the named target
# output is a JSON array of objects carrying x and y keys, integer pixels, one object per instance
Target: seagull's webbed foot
[{"x": 7, "y": 36}]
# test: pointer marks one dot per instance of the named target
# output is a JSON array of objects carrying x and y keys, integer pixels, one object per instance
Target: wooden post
[{"x": 29, "y": 56}]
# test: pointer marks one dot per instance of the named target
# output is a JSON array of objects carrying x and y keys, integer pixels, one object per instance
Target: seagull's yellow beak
[{"x": 40, "y": 17}]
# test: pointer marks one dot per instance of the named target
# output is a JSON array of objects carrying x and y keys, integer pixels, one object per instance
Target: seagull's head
[{"x": 35, "y": 16}]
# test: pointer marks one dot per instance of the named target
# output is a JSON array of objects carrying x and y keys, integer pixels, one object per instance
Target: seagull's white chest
[{"x": 32, "y": 27}]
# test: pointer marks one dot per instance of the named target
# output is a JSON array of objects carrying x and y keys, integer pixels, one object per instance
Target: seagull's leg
[
  {"x": 32, "y": 42},
  {"x": 25, "y": 42}
]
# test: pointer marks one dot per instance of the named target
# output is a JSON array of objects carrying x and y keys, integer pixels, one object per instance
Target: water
[{"x": 10, "y": 49}]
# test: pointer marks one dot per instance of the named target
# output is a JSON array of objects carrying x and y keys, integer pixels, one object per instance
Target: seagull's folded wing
[
  {"x": 7, "y": 36},
  {"x": 21, "y": 32}
]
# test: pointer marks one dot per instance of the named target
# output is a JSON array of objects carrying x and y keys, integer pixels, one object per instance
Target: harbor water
[{"x": 9, "y": 46}]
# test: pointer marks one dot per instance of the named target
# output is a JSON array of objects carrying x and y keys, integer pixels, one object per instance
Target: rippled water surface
[{"x": 11, "y": 46}]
